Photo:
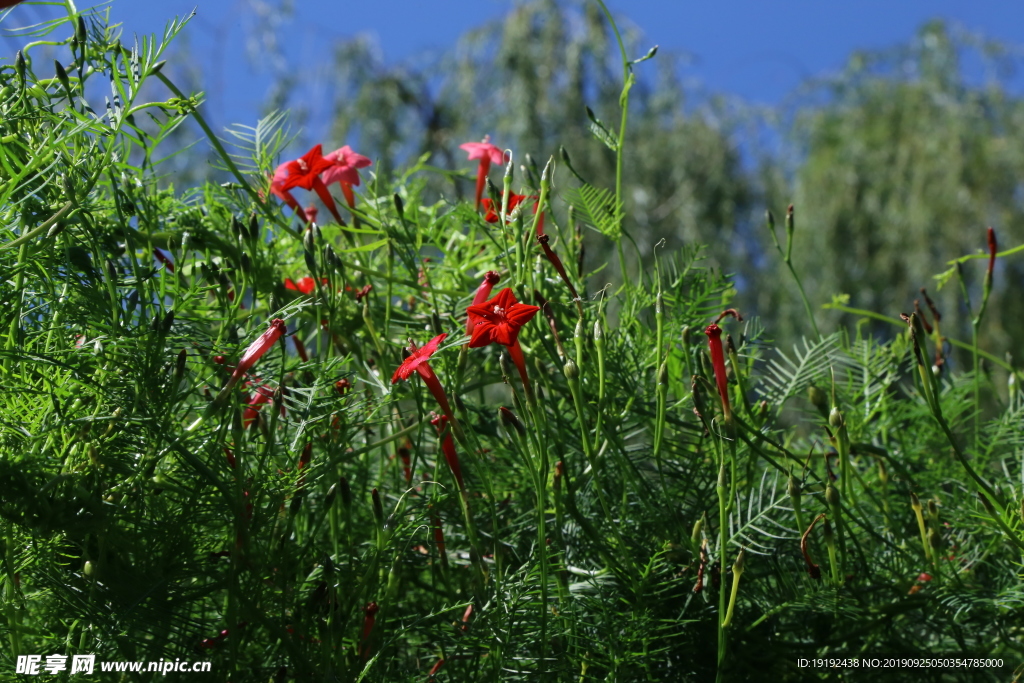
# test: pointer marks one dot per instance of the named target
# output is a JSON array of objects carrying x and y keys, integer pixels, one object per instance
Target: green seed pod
[
  {"x": 244, "y": 263},
  {"x": 89, "y": 568},
  {"x": 915, "y": 502},
  {"x": 598, "y": 331},
  {"x": 687, "y": 331},
  {"x": 399, "y": 205},
  {"x": 698, "y": 526},
  {"x": 933, "y": 510},
  {"x": 835, "y": 418},
  {"x": 832, "y": 495},
  {"x": 794, "y": 487}
]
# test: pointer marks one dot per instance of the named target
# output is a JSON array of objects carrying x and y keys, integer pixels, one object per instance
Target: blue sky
[{"x": 755, "y": 50}]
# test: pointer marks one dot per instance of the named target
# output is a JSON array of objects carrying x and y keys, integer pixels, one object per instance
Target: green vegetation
[{"x": 342, "y": 452}]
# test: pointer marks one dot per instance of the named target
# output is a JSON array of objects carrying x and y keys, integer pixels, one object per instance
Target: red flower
[
  {"x": 417, "y": 358},
  {"x": 257, "y": 349},
  {"x": 417, "y": 362},
  {"x": 482, "y": 292},
  {"x": 448, "y": 448},
  {"x": 499, "y": 320},
  {"x": 487, "y": 154},
  {"x": 277, "y": 189},
  {"x": 345, "y": 171},
  {"x": 493, "y": 211},
  {"x": 263, "y": 395},
  {"x": 311, "y": 212},
  {"x": 344, "y": 167},
  {"x": 305, "y": 285},
  {"x": 714, "y": 333},
  {"x": 304, "y": 171}
]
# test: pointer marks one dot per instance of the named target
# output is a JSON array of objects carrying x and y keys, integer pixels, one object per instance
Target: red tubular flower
[
  {"x": 305, "y": 172},
  {"x": 487, "y": 154},
  {"x": 482, "y": 292},
  {"x": 714, "y": 333},
  {"x": 448, "y": 448},
  {"x": 417, "y": 362},
  {"x": 557, "y": 263},
  {"x": 438, "y": 535},
  {"x": 300, "y": 349},
  {"x": 492, "y": 211},
  {"x": 434, "y": 669},
  {"x": 257, "y": 349},
  {"x": 370, "y": 616},
  {"x": 499, "y": 321},
  {"x": 345, "y": 171},
  {"x": 162, "y": 258},
  {"x": 263, "y": 395}
]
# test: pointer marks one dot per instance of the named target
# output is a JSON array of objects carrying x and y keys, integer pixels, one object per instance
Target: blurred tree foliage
[{"x": 896, "y": 165}]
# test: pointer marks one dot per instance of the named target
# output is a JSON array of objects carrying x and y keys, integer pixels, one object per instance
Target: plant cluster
[{"x": 419, "y": 440}]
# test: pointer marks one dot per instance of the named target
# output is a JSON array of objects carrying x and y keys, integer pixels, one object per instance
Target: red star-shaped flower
[
  {"x": 493, "y": 211},
  {"x": 499, "y": 320},
  {"x": 306, "y": 285},
  {"x": 303, "y": 172},
  {"x": 345, "y": 165},
  {"x": 416, "y": 362},
  {"x": 483, "y": 150}
]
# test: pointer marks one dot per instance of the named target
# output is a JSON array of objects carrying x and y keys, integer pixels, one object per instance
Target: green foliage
[{"x": 305, "y": 519}]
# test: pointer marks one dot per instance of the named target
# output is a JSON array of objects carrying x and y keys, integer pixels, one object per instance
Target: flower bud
[
  {"x": 378, "y": 508},
  {"x": 698, "y": 526},
  {"x": 571, "y": 370},
  {"x": 819, "y": 399},
  {"x": 835, "y": 418},
  {"x": 832, "y": 495},
  {"x": 598, "y": 331},
  {"x": 509, "y": 420},
  {"x": 915, "y": 502},
  {"x": 934, "y": 540},
  {"x": 506, "y": 366},
  {"x": 795, "y": 490},
  {"x": 741, "y": 560},
  {"x": 254, "y": 227}
]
